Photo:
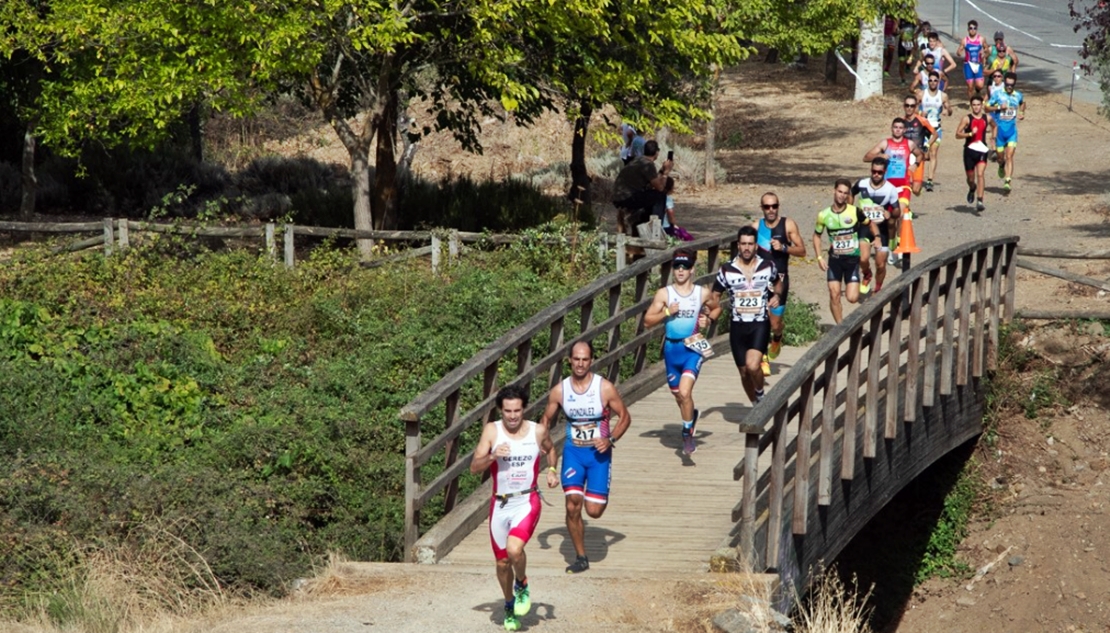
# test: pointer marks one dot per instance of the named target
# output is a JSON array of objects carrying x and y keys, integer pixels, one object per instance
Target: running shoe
[
  {"x": 522, "y": 599},
  {"x": 579, "y": 565},
  {"x": 979, "y": 206},
  {"x": 1002, "y": 170},
  {"x": 892, "y": 259},
  {"x": 774, "y": 349},
  {"x": 689, "y": 446},
  {"x": 971, "y": 196},
  {"x": 1006, "y": 185},
  {"x": 878, "y": 287},
  {"x": 765, "y": 366},
  {"x": 511, "y": 621},
  {"x": 865, "y": 285},
  {"x": 928, "y": 185}
]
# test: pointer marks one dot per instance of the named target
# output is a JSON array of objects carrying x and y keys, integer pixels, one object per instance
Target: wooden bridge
[{"x": 846, "y": 424}]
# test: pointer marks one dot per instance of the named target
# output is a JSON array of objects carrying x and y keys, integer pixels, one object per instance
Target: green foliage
[
  {"x": 802, "y": 324},
  {"x": 250, "y": 406},
  {"x": 940, "y": 557},
  {"x": 467, "y": 205}
]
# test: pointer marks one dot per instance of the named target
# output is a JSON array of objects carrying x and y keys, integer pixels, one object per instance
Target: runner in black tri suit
[{"x": 777, "y": 238}]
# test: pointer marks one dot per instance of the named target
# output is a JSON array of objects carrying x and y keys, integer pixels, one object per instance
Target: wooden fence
[
  {"x": 465, "y": 397},
  {"x": 840, "y": 426},
  {"x": 113, "y": 234}
]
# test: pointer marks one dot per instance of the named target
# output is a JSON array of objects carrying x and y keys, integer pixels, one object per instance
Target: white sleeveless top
[
  {"x": 931, "y": 105},
  {"x": 684, "y": 322},
  {"x": 518, "y": 471},
  {"x": 587, "y": 418}
]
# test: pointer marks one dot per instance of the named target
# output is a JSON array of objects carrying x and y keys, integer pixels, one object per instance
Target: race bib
[
  {"x": 1009, "y": 114},
  {"x": 747, "y": 302},
  {"x": 583, "y": 434},
  {"x": 700, "y": 344},
  {"x": 845, "y": 244},
  {"x": 873, "y": 213},
  {"x": 896, "y": 168}
]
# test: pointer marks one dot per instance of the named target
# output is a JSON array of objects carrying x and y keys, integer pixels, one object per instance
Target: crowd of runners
[{"x": 862, "y": 222}]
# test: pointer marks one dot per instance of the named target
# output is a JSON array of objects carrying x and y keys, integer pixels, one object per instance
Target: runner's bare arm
[
  {"x": 483, "y": 453},
  {"x": 951, "y": 62},
  {"x": 875, "y": 152},
  {"x": 817, "y": 251},
  {"x": 612, "y": 401},
  {"x": 554, "y": 401},
  {"x": 658, "y": 311},
  {"x": 548, "y": 448},
  {"x": 797, "y": 246},
  {"x": 964, "y": 129},
  {"x": 714, "y": 304}
]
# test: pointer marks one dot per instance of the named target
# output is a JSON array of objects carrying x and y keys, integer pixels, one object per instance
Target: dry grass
[
  {"x": 833, "y": 607},
  {"x": 155, "y": 586}
]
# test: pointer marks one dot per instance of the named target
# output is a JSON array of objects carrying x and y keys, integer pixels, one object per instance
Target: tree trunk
[
  {"x": 384, "y": 197},
  {"x": 831, "y": 65},
  {"x": 196, "y": 132},
  {"x": 870, "y": 64},
  {"x": 772, "y": 56},
  {"x": 360, "y": 189},
  {"x": 579, "y": 177},
  {"x": 711, "y": 130},
  {"x": 30, "y": 182}
]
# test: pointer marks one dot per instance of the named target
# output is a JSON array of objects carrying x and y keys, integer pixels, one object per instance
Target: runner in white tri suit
[
  {"x": 933, "y": 102},
  {"x": 510, "y": 449},
  {"x": 589, "y": 403},
  {"x": 877, "y": 199},
  {"x": 683, "y": 307}
]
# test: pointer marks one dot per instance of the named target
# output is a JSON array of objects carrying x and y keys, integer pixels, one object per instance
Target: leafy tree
[{"x": 1095, "y": 19}]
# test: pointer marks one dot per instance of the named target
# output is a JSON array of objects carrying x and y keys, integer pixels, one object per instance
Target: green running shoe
[
  {"x": 523, "y": 603},
  {"x": 1001, "y": 170},
  {"x": 511, "y": 621}
]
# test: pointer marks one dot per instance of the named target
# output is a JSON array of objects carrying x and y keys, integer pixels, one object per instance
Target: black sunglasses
[
  {"x": 878, "y": 171},
  {"x": 909, "y": 105},
  {"x": 770, "y": 206},
  {"x": 682, "y": 266}
]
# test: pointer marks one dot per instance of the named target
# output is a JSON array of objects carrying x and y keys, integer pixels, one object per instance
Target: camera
[{"x": 670, "y": 154}]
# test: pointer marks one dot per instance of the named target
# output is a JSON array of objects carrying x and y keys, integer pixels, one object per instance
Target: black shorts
[
  {"x": 973, "y": 158},
  {"x": 744, "y": 336},
  {"x": 865, "y": 233},
  {"x": 843, "y": 270}
]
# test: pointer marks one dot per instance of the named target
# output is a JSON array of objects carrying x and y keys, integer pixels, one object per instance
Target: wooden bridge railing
[
  {"x": 610, "y": 309},
  {"x": 899, "y": 358}
]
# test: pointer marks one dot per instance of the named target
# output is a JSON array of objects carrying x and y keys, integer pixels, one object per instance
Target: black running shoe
[
  {"x": 971, "y": 196},
  {"x": 579, "y": 565}
]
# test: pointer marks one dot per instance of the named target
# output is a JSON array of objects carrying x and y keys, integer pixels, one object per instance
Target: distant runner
[
  {"x": 841, "y": 220},
  {"x": 933, "y": 102},
  {"x": 973, "y": 50},
  {"x": 878, "y": 200},
  {"x": 973, "y": 129},
  {"x": 1009, "y": 107}
]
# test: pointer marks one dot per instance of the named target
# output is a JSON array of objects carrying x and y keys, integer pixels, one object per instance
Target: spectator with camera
[{"x": 639, "y": 187}]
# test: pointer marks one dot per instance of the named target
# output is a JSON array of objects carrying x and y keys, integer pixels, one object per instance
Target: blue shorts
[
  {"x": 679, "y": 361},
  {"x": 1007, "y": 134},
  {"x": 972, "y": 76},
  {"x": 586, "y": 472}
]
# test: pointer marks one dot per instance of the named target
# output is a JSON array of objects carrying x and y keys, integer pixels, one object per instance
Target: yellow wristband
[
  {"x": 667, "y": 310},
  {"x": 552, "y": 469}
]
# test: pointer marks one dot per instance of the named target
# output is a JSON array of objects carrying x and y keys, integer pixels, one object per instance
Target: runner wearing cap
[
  {"x": 1002, "y": 57},
  {"x": 684, "y": 307}
]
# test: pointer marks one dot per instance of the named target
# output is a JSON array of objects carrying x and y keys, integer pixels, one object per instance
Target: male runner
[
  {"x": 943, "y": 62},
  {"x": 921, "y": 71},
  {"x": 588, "y": 401},
  {"x": 996, "y": 85},
  {"x": 684, "y": 307},
  {"x": 973, "y": 50},
  {"x": 920, "y": 131},
  {"x": 933, "y": 102},
  {"x": 777, "y": 238},
  {"x": 1009, "y": 108},
  {"x": 842, "y": 271},
  {"x": 897, "y": 150},
  {"x": 973, "y": 129},
  {"x": 878, "y": 200},
  {"x": 754, "y": 285},
  {"x": 1001, "y": 57},
  {"x": 510, "y": 449}
]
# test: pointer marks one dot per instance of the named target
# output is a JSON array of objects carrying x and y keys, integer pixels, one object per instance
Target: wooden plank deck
[{"x": 667, "y": 512}]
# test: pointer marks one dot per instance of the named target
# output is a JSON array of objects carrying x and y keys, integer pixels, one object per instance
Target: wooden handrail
[
  {"x": 519, "y": 358},
  {"x": 933, "y": 329}
]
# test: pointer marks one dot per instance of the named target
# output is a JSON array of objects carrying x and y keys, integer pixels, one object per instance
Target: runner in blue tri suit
[
  {"x": 1008, "y": 107},
  {"x": 589, "y": 402},
  {"x": 683, "y": 307},
  {"x": 777, "y": 238}
]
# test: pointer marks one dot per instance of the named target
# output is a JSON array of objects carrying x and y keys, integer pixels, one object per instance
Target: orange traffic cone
[{"x": 906, "y": 243}]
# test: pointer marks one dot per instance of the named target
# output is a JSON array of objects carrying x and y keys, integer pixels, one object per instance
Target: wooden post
[
  {"x": 929, "y": 387},
  {"x": 801, "y": 458},
  {"x": 828, "y": 432},
  {"x": 453, "y": 246},
  {"x": 603, "y": 247},
  {"x": 778, "y": 485},
  {"x": 851, "y": 408},
  {"x": 894, "y": 361},
  {"x": 436, "y": 248},
  {"x": 290, "y": 247},
  {"x": 412, "y": 486},
  {"x": 748, "y": 496},
  {"x": 967, "y": 275},
  {"x": 978, "y": 347},
  {"x": 270, "y": 241},
  {"x": 108, "y": 238},
  {"x": 622, "y": 253},
  {"x": 124, "y": 236},
  {"x": 871, "y": 402},
  {"x": 948, "y": 340},
  {"x": 913, "y": 351}
]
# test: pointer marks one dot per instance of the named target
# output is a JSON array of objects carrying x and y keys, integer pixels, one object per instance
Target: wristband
[
  {"x": 667, "y": 310},
  {"x": 612, "y": 441},
  {"x": 552, "y": 469}
]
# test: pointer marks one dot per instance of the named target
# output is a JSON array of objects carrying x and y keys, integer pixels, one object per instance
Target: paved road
[{"x": 1040, "y": 30}]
